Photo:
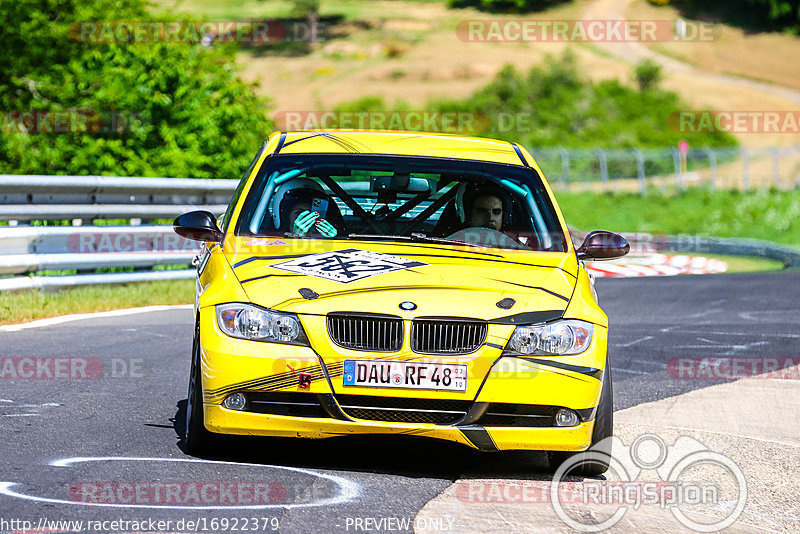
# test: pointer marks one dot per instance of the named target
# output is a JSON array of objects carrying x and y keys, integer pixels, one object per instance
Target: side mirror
[
  {"x": 602, "y": 245},
  {"x": 198, "y": 225}
]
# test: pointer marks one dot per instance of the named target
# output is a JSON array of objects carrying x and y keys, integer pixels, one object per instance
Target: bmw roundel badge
[{"x": 408, "y": 306}]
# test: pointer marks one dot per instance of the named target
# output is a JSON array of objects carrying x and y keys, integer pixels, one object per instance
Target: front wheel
[
  {"x": 198, "y": 439},
  {"x": 596, "y": 459}
]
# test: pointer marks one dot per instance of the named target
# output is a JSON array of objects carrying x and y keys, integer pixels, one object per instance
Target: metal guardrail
[
  {"x": 26, "y": 250},
  {"x": 34, "y": 197}
]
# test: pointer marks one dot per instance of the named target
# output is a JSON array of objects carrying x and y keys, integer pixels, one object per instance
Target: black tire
[
  {"x": 198, "y": 439},
  {"x": 592, "y": 465}
]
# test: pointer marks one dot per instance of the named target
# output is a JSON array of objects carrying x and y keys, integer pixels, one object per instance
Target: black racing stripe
[
  {"x": 260, "y": 381},
  {"x": 266, "y": 384},
  {"x": 588, "y": 371},
  {"x": 301, "y": 139},
  {"x": 479, "y": 437},
  {"x": 281, "y": 140},
  {"x": 260, "y": 258},
  {"x": 562, "y": 297},
  {"x": 282, "y": 380},
  {"x": 269, "y": 276},
  {"x": 490, "y": 260},
  {"x": 434, "y": 247},
  {"x": 529, "y": 317},
  {"x": 335, "y": 294},
  {"x": 355, "y": 146},
  {"x": 579, "y": 379},
  {"x": 347, "y": 146},
  {"x": 519, "y": 153}
]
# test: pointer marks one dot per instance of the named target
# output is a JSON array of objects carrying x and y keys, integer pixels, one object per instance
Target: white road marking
[
  {"x": 661, "y": 365},
  {"x": 348, "y": 490},
  {"x": 97, "y": 315},
  {"x": 702, "y": 313},
  {"x": 619, "y": 369},
  {"x": 19, "y": 415},
  {"x": 634, "y": 342}
]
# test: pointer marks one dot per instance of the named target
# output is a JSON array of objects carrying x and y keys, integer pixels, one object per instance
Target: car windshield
[{"x": 410, "y": 198}]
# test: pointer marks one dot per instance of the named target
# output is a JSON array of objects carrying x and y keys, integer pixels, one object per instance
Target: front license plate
[{"x": 407, "y": 375}]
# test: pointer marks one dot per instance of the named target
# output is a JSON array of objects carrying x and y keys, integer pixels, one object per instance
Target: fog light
[
  {"x": 564, "y": 417},
  {"x": 236, "y": 401}
]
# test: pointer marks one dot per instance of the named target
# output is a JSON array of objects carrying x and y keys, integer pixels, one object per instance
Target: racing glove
[
  {"x": 325, "y": 228},
  {"x": 304, "y": 222}
]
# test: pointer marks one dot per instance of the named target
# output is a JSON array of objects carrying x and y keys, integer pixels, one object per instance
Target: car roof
[{"x": 395, "y": 143}]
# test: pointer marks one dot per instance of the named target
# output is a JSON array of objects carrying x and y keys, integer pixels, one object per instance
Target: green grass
[
  {"x": 742, "y": 264},
  {"x": 22, "y": 306},
  {"x": 769, "y": 215}
]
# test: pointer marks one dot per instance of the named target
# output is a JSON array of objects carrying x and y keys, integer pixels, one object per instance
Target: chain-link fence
[{"x": 669, "y": 169}]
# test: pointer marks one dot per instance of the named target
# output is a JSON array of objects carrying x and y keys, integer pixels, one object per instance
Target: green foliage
[
  {"x": 754, "y": 15},
  {"x": 506, "y": 6},
  {"x": 771, "y": 215},
  {"x": 552, "y": 105},
  {"x": 303, "y": 8},
  {"x": 647, "y": 74},
  {"x": 182, "y": 109}
]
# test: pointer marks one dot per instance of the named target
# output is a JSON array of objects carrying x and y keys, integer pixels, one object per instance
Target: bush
[
  {"x": 185, "y": 111},
  {"x": 506, "y": 6}
]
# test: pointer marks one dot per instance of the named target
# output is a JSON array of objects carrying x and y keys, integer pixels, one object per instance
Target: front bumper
[{"x": 538, "y": 385}]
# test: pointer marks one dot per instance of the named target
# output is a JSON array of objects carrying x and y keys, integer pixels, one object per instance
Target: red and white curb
[{"x": 656, "y": 265}]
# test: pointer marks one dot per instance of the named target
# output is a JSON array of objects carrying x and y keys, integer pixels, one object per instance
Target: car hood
[{"x": 320, "y": 276}]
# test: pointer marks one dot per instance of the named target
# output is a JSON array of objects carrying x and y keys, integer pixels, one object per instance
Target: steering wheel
[{"x": 486, "y": 237}]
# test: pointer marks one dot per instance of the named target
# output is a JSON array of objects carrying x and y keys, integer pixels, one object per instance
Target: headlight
[
  {"x": 558, "y": 338},
  {"x": 246, "y": 321}
]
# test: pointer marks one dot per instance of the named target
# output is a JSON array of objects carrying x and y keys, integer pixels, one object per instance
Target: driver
[
  {"x": 486, "y": 211},
  {"x": 482, "y": 206},
  {"x": 300, "y": 206}
]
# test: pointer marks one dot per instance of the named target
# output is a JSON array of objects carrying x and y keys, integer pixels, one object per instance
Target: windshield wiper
[{"x": 415, "y": 237}]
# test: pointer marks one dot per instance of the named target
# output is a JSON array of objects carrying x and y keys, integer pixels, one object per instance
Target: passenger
[{"x": 300, "y": 206}]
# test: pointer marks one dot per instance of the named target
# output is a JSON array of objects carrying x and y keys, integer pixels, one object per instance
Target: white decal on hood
[{"x": 347, "y": 265}]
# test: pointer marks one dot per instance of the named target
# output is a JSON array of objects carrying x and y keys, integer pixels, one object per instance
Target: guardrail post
[
  {"x": 601, "y": 154},
  {"x": 564, "y": 166},
  {"x": 640, "y": 171},
  {"x": 676, "y": 161},
  {"x": 712, "y": 165}
]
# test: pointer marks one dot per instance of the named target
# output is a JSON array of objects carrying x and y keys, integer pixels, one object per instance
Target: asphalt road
[{"x": 120, "y": 424}]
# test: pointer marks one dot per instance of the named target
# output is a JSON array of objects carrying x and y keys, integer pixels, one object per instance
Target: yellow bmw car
[{"x": 398, "y": 283}]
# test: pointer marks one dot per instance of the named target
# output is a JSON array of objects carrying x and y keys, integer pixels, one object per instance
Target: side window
[{"x": 226, "y": 220}]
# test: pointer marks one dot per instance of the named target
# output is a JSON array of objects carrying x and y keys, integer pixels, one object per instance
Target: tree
[
  {"x": 647, "y": 74},
  {"x": 309, "y": 9},
  {"x": 181, "y": 108}
]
